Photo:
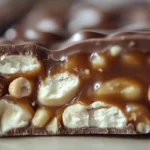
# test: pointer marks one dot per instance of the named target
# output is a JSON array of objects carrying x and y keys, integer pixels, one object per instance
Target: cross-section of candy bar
[{"x": 97, "y": 86}]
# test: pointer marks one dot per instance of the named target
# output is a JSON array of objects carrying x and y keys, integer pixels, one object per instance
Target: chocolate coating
[{"x": 81, "y": 36}]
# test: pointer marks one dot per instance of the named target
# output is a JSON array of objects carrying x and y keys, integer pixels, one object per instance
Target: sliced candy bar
[{"x": 98, "y": 86}]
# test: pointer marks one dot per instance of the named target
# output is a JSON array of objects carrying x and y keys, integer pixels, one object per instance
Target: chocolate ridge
[{"x": 128, "y": 42}]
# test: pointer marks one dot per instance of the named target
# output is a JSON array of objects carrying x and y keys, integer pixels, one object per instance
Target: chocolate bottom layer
[{"x": 128, "y": 130}]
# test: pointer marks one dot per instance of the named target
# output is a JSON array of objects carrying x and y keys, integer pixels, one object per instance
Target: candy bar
[
  {"x": 84, "y": 16},
  {"x": 97, "y": 86},
  {"x": 43, "y": 24},
  {"x": 53, "y": 23},
  {"x": 9, "y": 13}
]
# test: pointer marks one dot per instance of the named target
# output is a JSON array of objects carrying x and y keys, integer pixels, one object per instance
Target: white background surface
[{"x": 75, "y": 143}]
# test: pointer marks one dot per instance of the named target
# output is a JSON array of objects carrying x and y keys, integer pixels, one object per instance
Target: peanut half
[
  {"x": 20, "y": 87},
  {"x": 14, "y": 115},
  {"x": 59, "y": 89},
  {"x": 19, "y": 65},
  {"x": 124, "y": 87},
  {"x": 41, "y": 117}
]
